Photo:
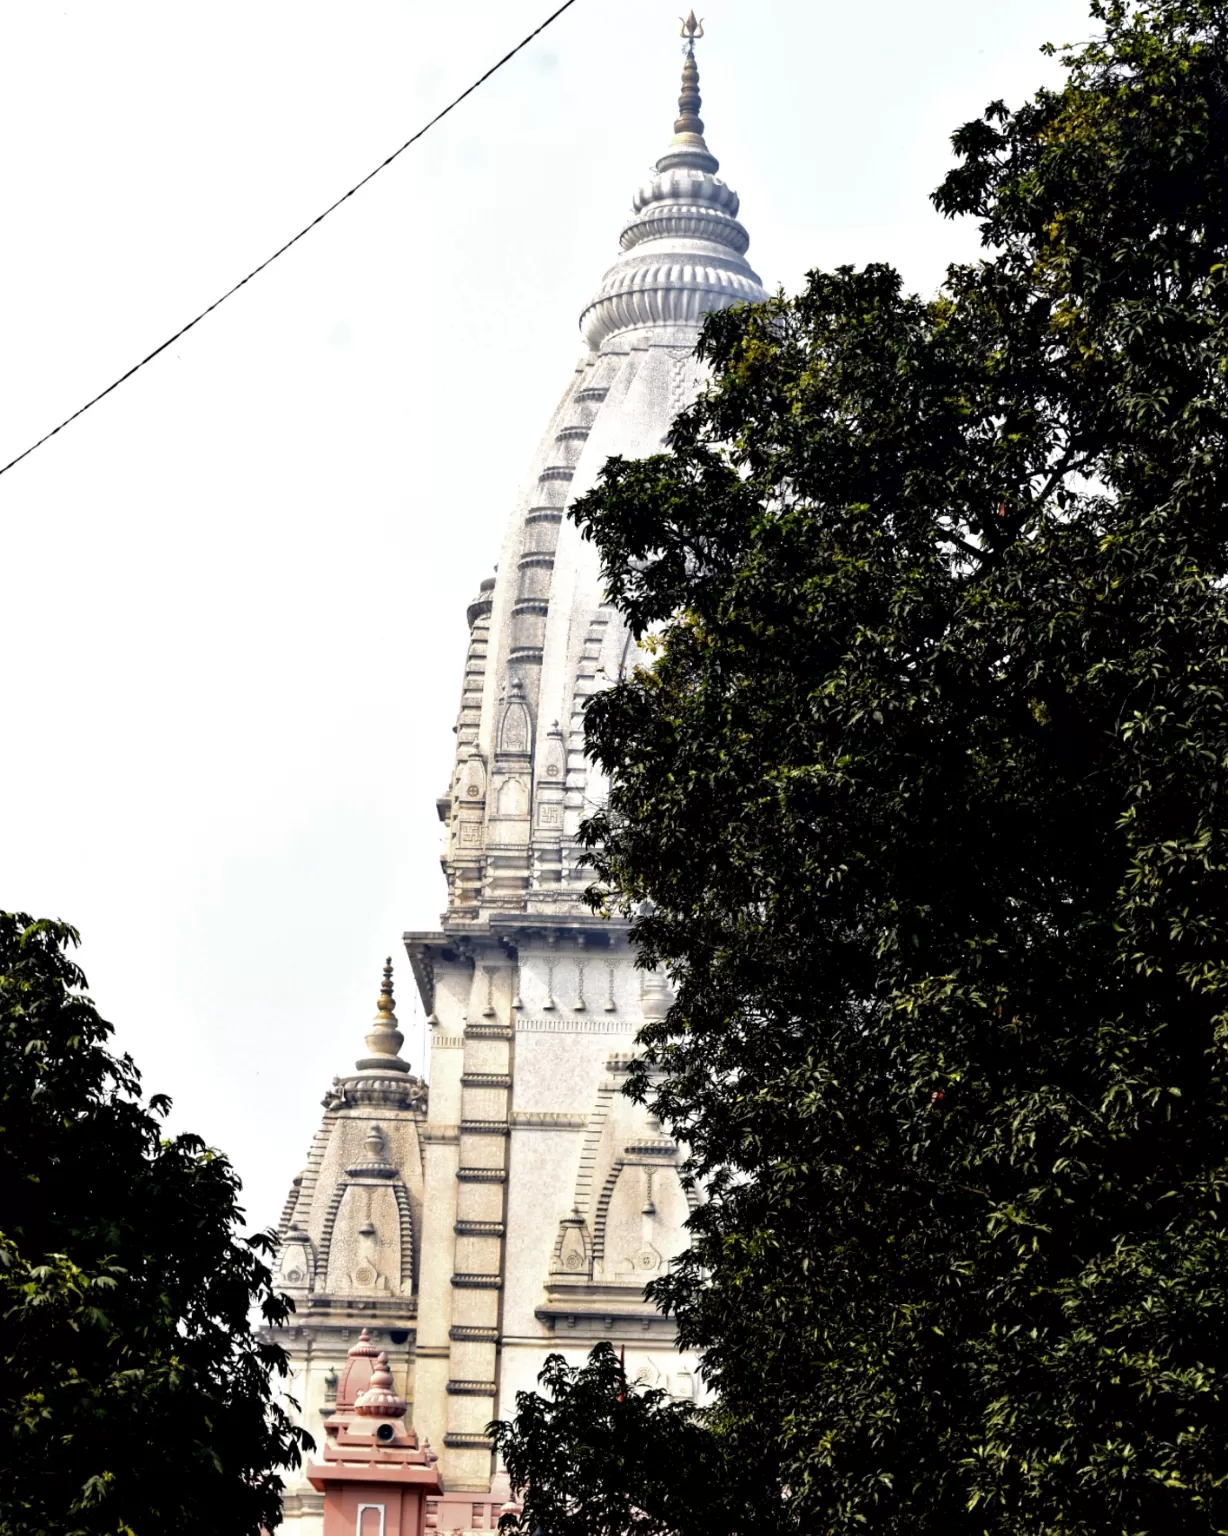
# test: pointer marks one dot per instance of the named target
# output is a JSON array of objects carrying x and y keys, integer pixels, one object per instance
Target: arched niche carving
[
  {"x": 639, "y": 1226},
  {"x": 514, "y": 727},
  {"x": 296, "y": 1264},
  {"x": 369, "y": 1240}
]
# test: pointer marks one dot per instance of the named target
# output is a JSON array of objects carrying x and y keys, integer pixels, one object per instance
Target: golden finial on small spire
[
  {"x": 384, "y": 1039},
  {"x": 386, "y": 1001}
]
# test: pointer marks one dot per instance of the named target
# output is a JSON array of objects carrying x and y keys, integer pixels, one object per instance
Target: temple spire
[
  {"x": 689, "y": 120},
  {"x": 384, "y": 1039},
  {"x": 687, "y": 147}
]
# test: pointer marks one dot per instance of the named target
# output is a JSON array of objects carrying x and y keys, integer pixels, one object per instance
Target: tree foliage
[
  {"x": 136, "y": 1397},
  {"x": 921, "y": 799},
  {"x": 596, "y": 1455}
]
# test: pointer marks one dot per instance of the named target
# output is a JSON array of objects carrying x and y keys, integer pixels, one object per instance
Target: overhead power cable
[{"x": 306, "y": 230}]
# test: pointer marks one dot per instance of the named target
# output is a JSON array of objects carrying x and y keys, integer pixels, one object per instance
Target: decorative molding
[
  {"x": 485, "y": 1080},
  {"x": 649, "y": 294},
  {"x": 326, "y": 1235},
  {"x": 572, "y": 1026},
  {"x": 311, "y": 1174},
  {"x": 441, "y": 1135},
  {"x": 603, "y": 1210},
  {"x": 595, "y": 1125},
  {"x": 548, "y": 1120},
  {"x": 484, "y": 1128},
  {"x": 467, "y": 1228},
  {"x": 300, "y": 1504},
  {"x": 346, "y": 1309},
  {"x": 588, "y": 1323},
  {"x": 472, "y": 1282},
  {"x": 471, "y": 1389},
  {"x": 462, "y": 1333},
  {"x": 662, "y": 1147},
  {"x": 409, "y": 1255},
  {"x": 459, "y": 1442},
  {"x": 481, "y": 1175},
  {"x": 488, "y": 1032},
  {"x": 547, "y": 928}
]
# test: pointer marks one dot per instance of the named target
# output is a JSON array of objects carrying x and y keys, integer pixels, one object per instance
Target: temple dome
[
  {"x": 683, "y": 250},
  {"x": 544, "y": 637}
]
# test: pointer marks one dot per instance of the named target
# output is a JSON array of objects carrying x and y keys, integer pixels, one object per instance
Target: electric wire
[{"x": 306, "y": 230}]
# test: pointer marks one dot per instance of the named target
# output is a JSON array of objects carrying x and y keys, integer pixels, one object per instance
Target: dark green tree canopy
[
  {"x": 595, "y": 1455},
  {"x": 920, "y": 796},
  {"x": 136, "y": 1397}
]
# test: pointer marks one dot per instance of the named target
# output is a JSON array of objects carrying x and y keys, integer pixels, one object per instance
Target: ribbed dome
[{"x": 683, "y": 250}]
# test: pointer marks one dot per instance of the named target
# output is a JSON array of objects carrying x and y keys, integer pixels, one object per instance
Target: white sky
[{"x": 232, "y": 596}]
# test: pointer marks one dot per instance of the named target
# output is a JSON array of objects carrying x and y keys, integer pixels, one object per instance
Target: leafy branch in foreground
[{"x": 137, "y": 1396}]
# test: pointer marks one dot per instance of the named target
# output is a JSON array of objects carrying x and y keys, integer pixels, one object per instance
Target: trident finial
[{"x": 691, "y": 28}]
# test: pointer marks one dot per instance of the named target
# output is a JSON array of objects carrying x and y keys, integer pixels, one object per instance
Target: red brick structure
[{"x": 375, "y": 1477}]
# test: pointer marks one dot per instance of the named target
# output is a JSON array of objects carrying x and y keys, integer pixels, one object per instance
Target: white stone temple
[{"x": 521, "y": 1204}]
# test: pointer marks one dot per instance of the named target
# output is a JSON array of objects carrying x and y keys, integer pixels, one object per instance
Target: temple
[{"x": 522, "y": 1204}]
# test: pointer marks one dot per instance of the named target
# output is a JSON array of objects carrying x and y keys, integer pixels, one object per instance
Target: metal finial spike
[
  {"x": 384, "y": 1039},
  {"x": 386, "y": 1001},
  {"x": 689, "y": 120},
  {"x": 691, "y": 28}
]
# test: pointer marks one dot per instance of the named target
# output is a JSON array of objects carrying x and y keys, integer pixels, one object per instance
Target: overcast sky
[{"x": 232, "y": 596}]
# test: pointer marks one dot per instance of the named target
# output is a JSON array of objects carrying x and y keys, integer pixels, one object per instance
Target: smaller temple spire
[
  {"x": 689, "y": 120},
  {"x": 372, "y": 1459},
  {"x": 381, "y": 1400},
  {"x": 683, "y": 251},
  {"x": 384, "y": 1039},
  {"x": 687, "y": 147},
  {"x": 356, "y": 1376}
]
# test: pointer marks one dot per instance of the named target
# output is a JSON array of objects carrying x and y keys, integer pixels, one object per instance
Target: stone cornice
[{"x": 548, "y": 1120}]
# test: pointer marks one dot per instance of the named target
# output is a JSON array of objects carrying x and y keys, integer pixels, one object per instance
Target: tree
[
  {"x": 921, "y": 799},
  {"x": 136, "y": 1396},
  {"x": 596, "y": 1455}
]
